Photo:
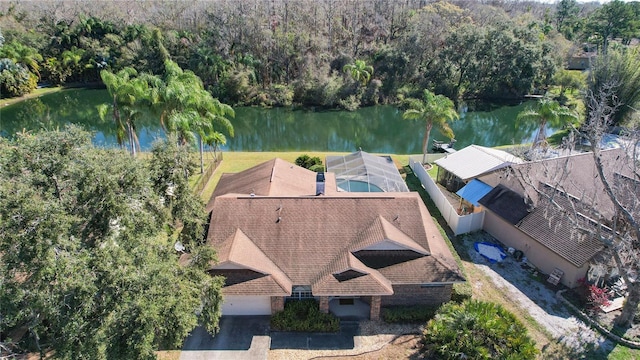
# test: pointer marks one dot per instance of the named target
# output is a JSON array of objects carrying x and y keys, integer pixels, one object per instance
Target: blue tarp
[
  {"x": 474, "y": 191},
  {"x": 490, "y": 251}
]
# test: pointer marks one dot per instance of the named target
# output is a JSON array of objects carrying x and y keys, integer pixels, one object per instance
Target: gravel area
[
  {"x": 374, "y": 335},
  {"x": 536, "y": 297}
]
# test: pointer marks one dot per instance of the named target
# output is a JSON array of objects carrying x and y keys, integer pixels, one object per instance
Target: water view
[{"x": 379, "y": 129}]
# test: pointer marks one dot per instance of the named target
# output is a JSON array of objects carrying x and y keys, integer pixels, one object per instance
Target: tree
[
  {"x": 569, "y": 80},
  {"x": 359, "y": 71},
  {"x": 186, "y": 108},
  {"x": 476, "y": 330},
  {"x": 566, "y": 14},
  {"x": 620, "y": 72},
  {"x": 435, "y": 110},
  {"x": 130, "y": 94},
  {"x": 620, "y": 182},
  {"x": 547, "y": 112},
  {"x": 15, "y": 80},
  {"x": 615, "y": 19},
  {"x": 87, "y": 269},
  {"x": 600, "y": 199},
  {"x": 22, "y": 54}
]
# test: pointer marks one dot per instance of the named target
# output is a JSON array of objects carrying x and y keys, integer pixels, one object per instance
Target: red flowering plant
[{"x": 595, "y": 296}]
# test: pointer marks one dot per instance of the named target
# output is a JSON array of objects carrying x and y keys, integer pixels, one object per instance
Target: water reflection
[{"x": 374, "y": 129}]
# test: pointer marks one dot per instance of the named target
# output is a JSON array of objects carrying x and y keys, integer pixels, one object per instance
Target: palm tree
[
  {"x": 22, "y": 54},
  {"x": 549, "y": 112},
  {"x": 130, "y": 94},
  {"x": 433, "y": 110},
  {"x": 214, "y": 139},
  {"x": 359, "y": 71},
  {"x": 213, "y": 114}
]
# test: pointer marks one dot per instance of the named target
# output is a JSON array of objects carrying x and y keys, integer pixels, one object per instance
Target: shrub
[
  {"x": 15, "y": 79},
  {"x": 461, "y": 292},
  {"x": 308, "y": 162},
  {"x": 304, "y": 315},
  {"x": 476, "y": 330},
  {"x": 317, "y": 168},
  {"x": 408, "y": 314}
]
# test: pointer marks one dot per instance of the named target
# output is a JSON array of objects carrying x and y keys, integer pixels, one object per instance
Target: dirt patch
[
  {"x": 377, "y": 340},
  {"x": 520, "y": 284}
]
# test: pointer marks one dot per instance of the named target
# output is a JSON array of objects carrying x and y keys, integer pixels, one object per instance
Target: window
[{"x": 300, "y": 292}]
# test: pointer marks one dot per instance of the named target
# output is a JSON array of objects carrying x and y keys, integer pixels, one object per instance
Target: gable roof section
[
  {"x": 552, "y": 228},
  {"x": 382, "y": 231},
  {"x": 475, "y": 160},
  {"x": 573, "y": 174},
  {"x": 271, "y": 178},
  {"x": 370, "y": 283},
  {"x": 239, "y": 250},
  {"x": 506, "y": 203},
  {"x": 307, "y": 237}
]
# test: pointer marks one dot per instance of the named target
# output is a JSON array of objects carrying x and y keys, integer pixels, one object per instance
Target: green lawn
[{"x": 36, "y": 93}]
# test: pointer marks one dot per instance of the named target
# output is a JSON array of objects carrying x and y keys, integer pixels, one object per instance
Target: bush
[
  {"x": 15, "y": 80},
  {"x": 476, "y": 330},
  {"x": 308, "y": 162},
  {"x": 304, "y": 315},
  {"x": 408, "y": 314},
  {"x": 317, "y": 168},
  {"x": 461, "y": 292}
]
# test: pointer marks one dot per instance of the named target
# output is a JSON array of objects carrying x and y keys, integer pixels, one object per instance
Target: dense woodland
[{"x": 326, "y": 53}]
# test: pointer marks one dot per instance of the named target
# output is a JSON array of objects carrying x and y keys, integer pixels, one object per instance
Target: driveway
[
  {"x": 240, "y": 337},
  {"x": 344, "y": 339}
]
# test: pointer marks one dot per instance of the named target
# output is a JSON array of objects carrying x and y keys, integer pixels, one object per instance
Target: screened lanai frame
[{"x": 363, "y": 172}]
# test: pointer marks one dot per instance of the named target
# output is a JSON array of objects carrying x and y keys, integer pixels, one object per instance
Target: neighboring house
[
  {"x": 581, "y": 60},
  {"x": 277, "y": 237},
  {"x": 518, "y": 212},
  {"x": 363, "y": 172},
  {"x": 457, "y": 172},
  {"x": 457, "y": 169}
]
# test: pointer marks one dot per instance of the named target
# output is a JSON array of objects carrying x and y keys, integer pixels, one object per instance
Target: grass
[{"x": 34, "y": 94}]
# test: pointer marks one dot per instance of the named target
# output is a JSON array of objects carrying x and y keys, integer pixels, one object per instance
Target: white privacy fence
[{"x": 459, "y": 224}]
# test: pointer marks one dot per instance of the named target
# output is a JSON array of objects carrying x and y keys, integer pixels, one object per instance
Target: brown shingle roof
[
  {"x": 506, "y": 203},
  {"x": 574, "y": 174},
  {"x": 380, "y": 231},
  {"x": 272, "y": 178},
  {"x": 552, "y": 228},
  {"x": 305, "y": 236},
  {"x": 370, "y": 283},
  {"x": 239, "y": 250}
]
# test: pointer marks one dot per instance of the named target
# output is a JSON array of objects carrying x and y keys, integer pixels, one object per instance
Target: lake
[{"x": 378, "y": 129}]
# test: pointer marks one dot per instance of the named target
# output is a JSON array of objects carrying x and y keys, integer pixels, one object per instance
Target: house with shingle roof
[
  {"x": 548, "y": 209},
  {"x": 277, "y": 238}
]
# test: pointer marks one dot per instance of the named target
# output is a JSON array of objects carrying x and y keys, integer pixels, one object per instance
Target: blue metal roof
[{"x": 474, "y": 191}]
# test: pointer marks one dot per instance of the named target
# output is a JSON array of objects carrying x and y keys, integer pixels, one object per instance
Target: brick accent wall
[
  {"x": 374, "y": 314},
  {"x": 324, "y": 304},
  {"x": 417, "y": 295},
  {"x": 277, "y": 304}
]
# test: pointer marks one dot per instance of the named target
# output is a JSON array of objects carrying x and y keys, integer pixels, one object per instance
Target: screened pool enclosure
[{"x": 363, "y": 172}]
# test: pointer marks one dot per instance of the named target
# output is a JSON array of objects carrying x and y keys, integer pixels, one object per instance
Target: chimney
[{"x": 319, "y": 184}]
